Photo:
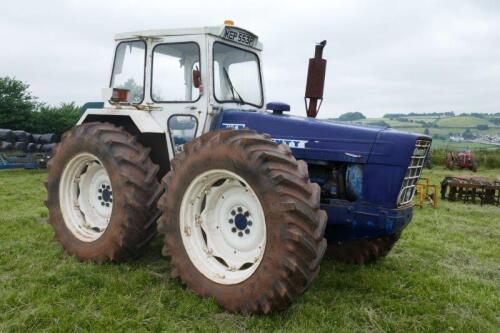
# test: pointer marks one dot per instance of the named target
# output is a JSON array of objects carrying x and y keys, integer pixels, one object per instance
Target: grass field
[{"x": 443, "y": 275}]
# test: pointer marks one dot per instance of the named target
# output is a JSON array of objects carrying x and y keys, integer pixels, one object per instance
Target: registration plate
[{"x": 240, "y": 36}]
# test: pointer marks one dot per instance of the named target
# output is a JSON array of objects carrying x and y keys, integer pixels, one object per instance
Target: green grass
[
  {"x": 443, "y": 275},
  {"x": 463, "y": 121}
]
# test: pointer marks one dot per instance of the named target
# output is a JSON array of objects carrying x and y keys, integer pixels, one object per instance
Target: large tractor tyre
[
  {"x": 101, "y": 186},
  {"x": 362, "y": 251},
  {"x": 242, "y": 222}
]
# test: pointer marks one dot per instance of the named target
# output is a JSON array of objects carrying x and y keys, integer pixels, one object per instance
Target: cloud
[{"x": 383, "y": 56}]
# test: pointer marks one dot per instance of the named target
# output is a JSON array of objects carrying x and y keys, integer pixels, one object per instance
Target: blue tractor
[{"x": 249, "y": 198}]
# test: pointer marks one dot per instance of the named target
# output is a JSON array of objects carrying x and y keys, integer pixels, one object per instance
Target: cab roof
[{"x": 217, "y": 31}]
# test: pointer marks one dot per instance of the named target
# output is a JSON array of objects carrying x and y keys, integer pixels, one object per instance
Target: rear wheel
[
  {"x": 362, "y": 251},
  {"x": 242, "y": 221},
  {"x": 100, "y": 186}
]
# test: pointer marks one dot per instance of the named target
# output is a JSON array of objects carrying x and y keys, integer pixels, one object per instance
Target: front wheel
[
  {"x": 242, "y": 221},
  {"x": 100, "y": 185}
]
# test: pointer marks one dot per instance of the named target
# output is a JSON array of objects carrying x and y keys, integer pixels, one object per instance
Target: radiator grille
[{"x": 413, "y": 172}]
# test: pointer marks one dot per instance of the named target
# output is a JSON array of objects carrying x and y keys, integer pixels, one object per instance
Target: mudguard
[{"x": 143, "y": 120}]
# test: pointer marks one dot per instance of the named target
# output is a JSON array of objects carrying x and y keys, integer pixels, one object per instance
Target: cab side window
[
  {"x": 172, "y": 77},
  {"x": 182, "y": 129}
]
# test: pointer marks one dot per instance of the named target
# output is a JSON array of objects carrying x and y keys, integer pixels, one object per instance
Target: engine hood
[{"x": 315, "y": 139}]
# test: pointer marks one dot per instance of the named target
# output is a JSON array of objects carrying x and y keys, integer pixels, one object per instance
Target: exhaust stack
[{"x": 315, "y": 81}]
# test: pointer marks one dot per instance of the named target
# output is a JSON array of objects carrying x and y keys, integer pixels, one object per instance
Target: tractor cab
[{"x": 184, "y": 77}]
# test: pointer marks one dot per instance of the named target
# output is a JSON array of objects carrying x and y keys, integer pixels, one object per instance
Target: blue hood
[{"x": 315, "y": 139}]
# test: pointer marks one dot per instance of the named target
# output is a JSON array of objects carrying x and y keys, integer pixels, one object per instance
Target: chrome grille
[{"x": 413, "y": 172}]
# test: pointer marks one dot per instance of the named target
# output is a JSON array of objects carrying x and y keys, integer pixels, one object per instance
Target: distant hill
[{"x": 483, "y": 129}]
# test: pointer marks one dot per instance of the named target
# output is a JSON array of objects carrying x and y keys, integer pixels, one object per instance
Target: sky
[{"x": 383, "y": 56}]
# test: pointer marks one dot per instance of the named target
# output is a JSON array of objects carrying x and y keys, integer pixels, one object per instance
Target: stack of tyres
[
  {"x": 47, "y": 141},
  {"x": 7, "y": 135},
  {"x": 20, "y": 146},
  {"x": 7, "y": 138},
  {"x": 22, "y": 141},
  {"x": 6, "y": 146},
  {"x": 22, "y": 136}
]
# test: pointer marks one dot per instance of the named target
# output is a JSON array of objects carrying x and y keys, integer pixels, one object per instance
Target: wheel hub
[
  {"x": 86, "y": 197},
  {"x": 105, "y": 195},
  {"x": 223, "y": 226},
  {"x": 241, "y": 221}
]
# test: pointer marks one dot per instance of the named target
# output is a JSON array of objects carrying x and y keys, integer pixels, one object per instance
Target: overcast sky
[{"x": 383, "y": 56}]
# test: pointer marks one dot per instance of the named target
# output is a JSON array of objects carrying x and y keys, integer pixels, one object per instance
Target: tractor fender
[
  {"x": 143, "y": 121},
  {"x": 142, "y": 125}
]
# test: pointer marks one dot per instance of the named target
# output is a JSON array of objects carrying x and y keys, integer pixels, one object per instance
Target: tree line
[{"x": 20, "y": 110}]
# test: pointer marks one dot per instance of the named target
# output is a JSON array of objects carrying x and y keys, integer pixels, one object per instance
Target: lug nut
[
  {"x": 240, "y": 209},
  {"x": 247, "y": 231},
  {"x": 247, "y": 214},
  {"x": 233, "y": 212},
  {"x": 240, "y": 234},
  {"x": 231, "y": 221},
  {"x": 249, "y": 223},
  {"x": 233, "y": 229}
]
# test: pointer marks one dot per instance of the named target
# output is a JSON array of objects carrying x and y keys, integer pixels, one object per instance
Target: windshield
[
  {"x": 236, "y": 75},
  {"x": 128, "y": 69}
]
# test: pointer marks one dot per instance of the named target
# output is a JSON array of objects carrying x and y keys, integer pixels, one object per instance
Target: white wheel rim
[
  {"x": 223, "y": 226},
  {"x": 86, "y": 197}
]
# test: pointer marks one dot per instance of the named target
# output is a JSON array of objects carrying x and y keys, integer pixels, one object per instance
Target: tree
[
  {"x": 468, "y": 135},
  {"x": 380, "y": 123},
  {"x": 57, "y": 120},
  {"x": 351, "y": 116},
  {"x": 16, "y": 103}
]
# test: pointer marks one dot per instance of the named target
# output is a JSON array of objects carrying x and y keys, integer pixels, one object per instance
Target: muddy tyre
[
  {"x": 242, "y": 222},
  {"x": 362, "y": 251},
  {"x": 100, "y": 187}
]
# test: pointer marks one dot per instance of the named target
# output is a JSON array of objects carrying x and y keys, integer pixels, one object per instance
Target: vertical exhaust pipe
[{"x": 315, "y": 81}]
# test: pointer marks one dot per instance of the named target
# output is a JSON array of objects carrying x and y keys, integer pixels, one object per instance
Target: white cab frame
[{"x": 152, "y": 117}]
